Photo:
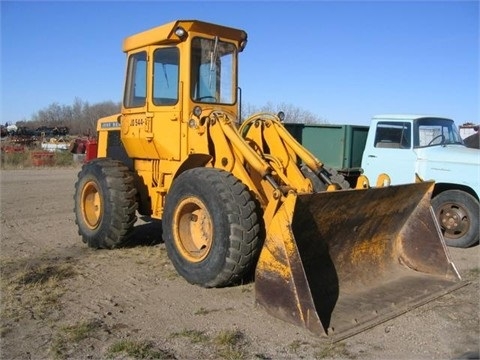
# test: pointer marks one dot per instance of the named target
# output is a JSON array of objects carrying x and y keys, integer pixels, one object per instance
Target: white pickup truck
[
  {"x": 408, "y": 148},
  {"x": 412, "y": 147}
]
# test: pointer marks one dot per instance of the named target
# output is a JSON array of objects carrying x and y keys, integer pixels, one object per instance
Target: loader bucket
[{"x": 341, "y": 262}]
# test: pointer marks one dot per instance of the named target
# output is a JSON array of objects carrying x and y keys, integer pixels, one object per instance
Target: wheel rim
[
  {"x": 193, "y": 230},
  {"x": 454, "y": 220},
  {"x": 91, "y": 205}
]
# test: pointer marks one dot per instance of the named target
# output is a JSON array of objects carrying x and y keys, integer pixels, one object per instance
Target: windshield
[
  {"x": 436, "y": 131},
  {"x": 213, "y": 71}
]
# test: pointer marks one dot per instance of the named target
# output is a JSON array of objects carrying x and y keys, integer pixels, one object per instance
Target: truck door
[{"x": 390, "y": 150}]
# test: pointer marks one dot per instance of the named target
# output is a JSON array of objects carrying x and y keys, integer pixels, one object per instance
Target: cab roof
[
  {"x": 165, "y": 34},
  {"x": 406, "y": 117}
]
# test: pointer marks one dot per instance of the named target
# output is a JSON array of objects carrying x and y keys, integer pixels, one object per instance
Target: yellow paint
[
  {"x": 91, "y": 204},
  {"x": 373, "y": 250},
  {"x": 193, "y": 230},
  {"x": 279, "y": 250}
]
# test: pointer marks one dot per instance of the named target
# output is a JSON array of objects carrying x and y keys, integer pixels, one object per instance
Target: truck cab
[{"x": 413, "y": 148}]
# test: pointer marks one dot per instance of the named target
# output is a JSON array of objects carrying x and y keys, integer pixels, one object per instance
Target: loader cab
[
  {"x": 165, "y": 79},
  {"x": 172, "y": 70},
  {"x": 212, "y": 75}
]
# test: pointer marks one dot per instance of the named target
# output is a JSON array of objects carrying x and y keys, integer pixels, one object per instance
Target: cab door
[
  {"x": 134, "y": 111},
  {"x": 151, "y": 113},
  {"x": 165, "y": 107},
  {"x": 390, "y": 152}
]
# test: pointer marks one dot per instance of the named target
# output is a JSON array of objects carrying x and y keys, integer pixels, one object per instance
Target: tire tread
[{"x": 120, "y": 205}]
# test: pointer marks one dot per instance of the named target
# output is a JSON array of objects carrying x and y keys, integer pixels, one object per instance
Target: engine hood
[
  {"x": 457, "y": 154},
  {"x": 454, "y": 164}
]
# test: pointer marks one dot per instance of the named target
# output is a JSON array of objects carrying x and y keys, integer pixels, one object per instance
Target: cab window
[
  {"x": 136, "y": 84},
  {"x": 213, "y": 71},
  {"x": 393, "y": 135},
  {"x": 165, "y": 76}
]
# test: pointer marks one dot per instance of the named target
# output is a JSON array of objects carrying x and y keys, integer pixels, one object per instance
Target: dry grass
[
  {"x": 32, "y": 290},
  {"x": 227, "y": 344},
  {"x": 334, "y": 350},
  {"x": 138, "y": 350},
  {"x": 296, "y": 345},
  {"x": 231, "y": 345},
  {"x": 20, "y": 160},
  {"x": 69, "y": 336}
]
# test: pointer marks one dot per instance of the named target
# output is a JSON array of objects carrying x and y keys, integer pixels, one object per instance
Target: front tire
[
  {"x": 457, "y": 213},
  {"x": 211, "y": 227},
  {"x": 105, "y": 203}
]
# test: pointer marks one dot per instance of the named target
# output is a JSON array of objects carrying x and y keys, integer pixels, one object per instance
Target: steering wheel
[
  {"x": 201, "y": 98},
  {"x": 437, "y": 137}
]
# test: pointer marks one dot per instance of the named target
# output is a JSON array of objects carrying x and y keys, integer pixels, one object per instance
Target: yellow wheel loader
[{"x": 241, "y": 197}]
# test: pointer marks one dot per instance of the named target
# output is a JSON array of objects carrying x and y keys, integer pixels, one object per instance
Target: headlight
[
  {"x": 180, "y": 32},
  {"x": 197, "y": 111}
]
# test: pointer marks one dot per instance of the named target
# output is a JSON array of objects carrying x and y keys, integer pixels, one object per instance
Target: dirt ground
[{"x": 61, "y": 299}]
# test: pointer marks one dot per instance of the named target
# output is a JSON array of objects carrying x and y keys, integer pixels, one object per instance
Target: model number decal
[
  {"x": 137, "y": 122},
  {"x": 111, "y": 124}
]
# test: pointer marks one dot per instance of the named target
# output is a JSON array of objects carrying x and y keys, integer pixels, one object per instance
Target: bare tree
[
  {"x": 293, "y": 114},
  {"x": 80, "y": 117},
  {"x": 92, "y": 113}
]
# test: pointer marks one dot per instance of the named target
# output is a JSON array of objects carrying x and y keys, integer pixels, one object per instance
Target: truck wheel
[
  {"x": 458, "y": 215},
  {"x": 105, "y": 203},
  {"x": 211, "y": 227}
]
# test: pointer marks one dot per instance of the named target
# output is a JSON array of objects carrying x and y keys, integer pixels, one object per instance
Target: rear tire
[
  {"x": 211, "y": 227},
  {"x": 457, "y": 213},
  {"x": 105, "y": 203}
]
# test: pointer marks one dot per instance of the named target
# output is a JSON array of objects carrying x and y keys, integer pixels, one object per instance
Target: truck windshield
[
  {"x": 436, "y": 131},
  {"x": 213, "y": 76}
]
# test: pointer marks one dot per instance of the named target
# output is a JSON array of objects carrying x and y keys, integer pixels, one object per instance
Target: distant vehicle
[
  {"x": 52, "y": 130},
  {"x": 470, "y": 135}
]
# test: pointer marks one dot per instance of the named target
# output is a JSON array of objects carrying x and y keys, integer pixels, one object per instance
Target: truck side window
[
  {"x": 165, "y": 76},
  {"x": 393, "y": 135},
  {"x": 136, "y": 84}
]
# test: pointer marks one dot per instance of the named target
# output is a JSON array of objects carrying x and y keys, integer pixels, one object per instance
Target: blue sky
[{"x": 344, "y": 61}]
